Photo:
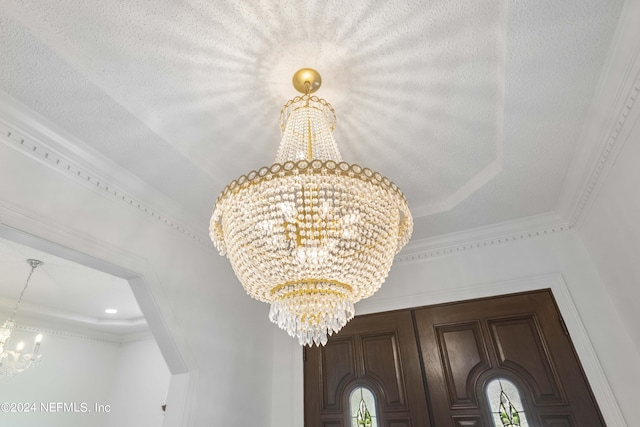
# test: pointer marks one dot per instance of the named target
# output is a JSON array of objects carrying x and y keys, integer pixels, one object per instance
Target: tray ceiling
[
  {"x": 473, "y": 108},
  {"x": 65, "y": 295}
]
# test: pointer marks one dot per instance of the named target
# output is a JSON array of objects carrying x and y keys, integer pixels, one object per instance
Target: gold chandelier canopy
[{"x": 311, "y": 234}]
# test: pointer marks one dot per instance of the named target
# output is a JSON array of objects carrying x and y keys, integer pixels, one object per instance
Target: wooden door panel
[
  {"x": 338, "y": 369},
  {"x": 452, "y": 352},
  {"x": 467, "y": 421},
  {"x": 525, "y": 342},
  {"x": 521, "y": 347},
  {"x": 465, "y": 357},
  {"x": 382, "y": 364},
  {"x": 556, "y": 421},
  {"x": 385, "y": 359},
  {"x": 398, "y": 423}
]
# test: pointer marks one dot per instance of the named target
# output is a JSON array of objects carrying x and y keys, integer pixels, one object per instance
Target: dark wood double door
[{"x": 430, "y": 366}]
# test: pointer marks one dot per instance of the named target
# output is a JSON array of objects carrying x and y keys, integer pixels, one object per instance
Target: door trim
[{"x": 586, "y": 353}]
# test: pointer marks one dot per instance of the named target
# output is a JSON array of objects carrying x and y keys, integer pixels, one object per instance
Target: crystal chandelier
[
  {"x": 15, "y": 361},
  {"x": 311, "y": 234}
]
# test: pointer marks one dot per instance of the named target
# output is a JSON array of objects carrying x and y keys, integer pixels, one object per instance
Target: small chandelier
[
  {"x": 311, "y": 234},
  {"x": 15, "y": 361}
]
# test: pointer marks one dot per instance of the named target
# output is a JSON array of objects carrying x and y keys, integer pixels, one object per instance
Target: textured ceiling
[
  {"x": 65, "y": 292},
  {"x": 472, "y": 107}
]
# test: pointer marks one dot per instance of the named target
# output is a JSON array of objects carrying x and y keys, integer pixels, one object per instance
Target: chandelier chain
[{"x": 34, "y": 264}]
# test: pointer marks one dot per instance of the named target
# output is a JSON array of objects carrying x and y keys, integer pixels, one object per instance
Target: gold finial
[{"x": 307, "y": 80}]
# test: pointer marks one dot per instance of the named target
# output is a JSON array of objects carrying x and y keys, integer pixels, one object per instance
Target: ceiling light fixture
[
  {"x": 111, "y": 311},
  {"x": 15, "y": 361},
  {"x": 311, "y": 234}
]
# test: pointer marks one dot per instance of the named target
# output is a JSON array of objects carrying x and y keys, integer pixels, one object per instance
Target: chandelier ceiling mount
[{"x": 307, "y": 80}]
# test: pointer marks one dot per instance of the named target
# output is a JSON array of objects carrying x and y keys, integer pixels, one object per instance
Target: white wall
[
  {"x": 223, "y": 336},
  {"x": 466, "y": 275},
  {"x": 72, "y": 370},
  {"x": 140, "y": 386},
  {"x": 611, "y": 231},
  {"x": 128, "y": 381}
]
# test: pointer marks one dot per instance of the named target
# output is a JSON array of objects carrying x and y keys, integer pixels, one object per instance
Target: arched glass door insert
[
  {"x": 362, "y": 408},
  {"x": 505, "y": 404}
]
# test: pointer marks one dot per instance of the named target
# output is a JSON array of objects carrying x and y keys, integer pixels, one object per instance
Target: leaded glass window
[
  {"x": 506, "y": 404},
  {"x": 362, "y": 407}
]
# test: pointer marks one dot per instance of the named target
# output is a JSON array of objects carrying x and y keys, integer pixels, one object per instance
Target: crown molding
[
  {"x": 58, "y": 152},
  {"x": 136, "y": 337},
  {"x": 55, "y": 330},
  {"x": 482, "y": 237},
  {"x": 612, "y": 114},
  {"x": 42, "y": 312},
  {"x": 24, "y": 130},
  {"x": 608, "y": 152},
  {"x": 87, "y": 335},
  {"x": 34, "y": 136},
  {"x": 77, "y": 326}
]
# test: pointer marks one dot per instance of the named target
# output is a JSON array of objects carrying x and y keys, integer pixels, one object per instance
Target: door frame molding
[{"x": 579, "y": 336}]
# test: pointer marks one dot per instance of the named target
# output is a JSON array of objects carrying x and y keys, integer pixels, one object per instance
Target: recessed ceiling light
[{"x": 111, "y": 311}]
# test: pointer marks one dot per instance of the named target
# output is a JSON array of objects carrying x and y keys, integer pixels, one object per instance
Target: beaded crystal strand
[{"x": 311, "y": 235}]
